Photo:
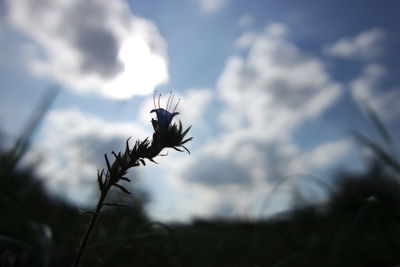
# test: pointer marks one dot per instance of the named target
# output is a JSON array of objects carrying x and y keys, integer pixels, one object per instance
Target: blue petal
[{"x": 164, "y": 117}]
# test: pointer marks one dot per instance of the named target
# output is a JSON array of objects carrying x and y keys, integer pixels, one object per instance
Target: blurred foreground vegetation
[{"x": 359, "y": 226}]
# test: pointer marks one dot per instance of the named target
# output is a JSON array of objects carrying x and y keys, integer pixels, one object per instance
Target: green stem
[{"x": 90, "y": 228}]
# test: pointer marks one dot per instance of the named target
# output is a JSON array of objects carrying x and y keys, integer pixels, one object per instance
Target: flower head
[
  {"x": 165, "y": 133},
  {"x": 164, "y": 116}
]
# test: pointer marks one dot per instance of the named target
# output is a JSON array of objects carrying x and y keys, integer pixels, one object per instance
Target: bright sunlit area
[{"x": 199, "y": 133}]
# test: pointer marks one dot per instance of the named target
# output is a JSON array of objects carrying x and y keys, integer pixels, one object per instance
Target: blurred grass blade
[{"x": 23, "y": 141}]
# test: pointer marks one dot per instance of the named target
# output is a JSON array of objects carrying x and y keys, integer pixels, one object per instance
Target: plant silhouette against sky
[{"x": 166, "y": 135}]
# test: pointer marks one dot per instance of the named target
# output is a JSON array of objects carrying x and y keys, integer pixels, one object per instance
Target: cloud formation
[
  {"x": 366, "y": 45},
  {"x": 276, "y": 85},
  {"x": 92, "y": 45},
  {"x": 264, "y": 96}
]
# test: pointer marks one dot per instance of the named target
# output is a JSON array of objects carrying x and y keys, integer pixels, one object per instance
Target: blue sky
[{"x": 272, "y": 89}]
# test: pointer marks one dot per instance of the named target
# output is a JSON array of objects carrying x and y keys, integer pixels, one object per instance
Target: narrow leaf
[
  {"x": 122, "y": 188},
  {"x": 100, "y": 179},
  {"x": 117, "y": 157},
  {"x": 152, "y": 160},
  {"x": 174, "y": 147},
  {"x": 187, "y": 140},
  {"x": 125, "y": 179},
  {"x": 127, "y": 145},
  {"x": 186, "y": 131},
  {"x": 186, "y": 149},
  {"x": 108, "y": 163}
]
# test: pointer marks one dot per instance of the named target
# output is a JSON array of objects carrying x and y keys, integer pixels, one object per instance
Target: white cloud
[
  {"x": 276, "y": 86},
  {"x": 230, "y": 182},
  {"x": 210, "y": 6},
  {"x": 264, "y": 96},
  {"x": 209, "y": 182},
  {"x": 70, "y": 149},
  {"x": 366, "y": 45},
  {"x": 326, "y": 153},
  {"x": 92, "y": 45}
]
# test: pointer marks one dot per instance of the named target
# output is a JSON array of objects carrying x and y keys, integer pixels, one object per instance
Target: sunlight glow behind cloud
[
  {"x": 143, "y": 70},
  {"x": 92, "y": 46}
]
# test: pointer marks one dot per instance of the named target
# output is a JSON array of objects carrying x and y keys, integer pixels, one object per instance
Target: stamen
[
  {"x": 159, "y": 106},
  {"x": 172, "y": 100},
  {"x": 154, "y": 98},
  {"x": 169, "y": 98},
  {"x": 176, "y": 105}
]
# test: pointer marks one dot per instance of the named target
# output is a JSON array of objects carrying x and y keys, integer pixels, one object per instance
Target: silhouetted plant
[{"x": 166, "y": 135}]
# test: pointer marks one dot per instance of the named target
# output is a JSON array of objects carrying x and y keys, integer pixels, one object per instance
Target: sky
[{"x": 272, "y": 88}]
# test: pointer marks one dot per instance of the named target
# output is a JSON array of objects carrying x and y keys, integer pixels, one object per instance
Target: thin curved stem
[{"x": 90, "y": 228}]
